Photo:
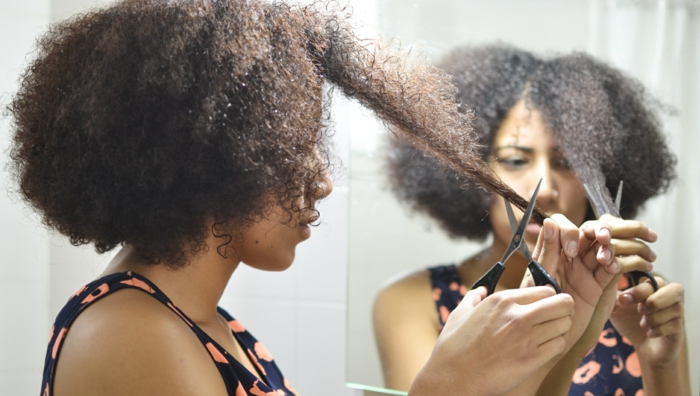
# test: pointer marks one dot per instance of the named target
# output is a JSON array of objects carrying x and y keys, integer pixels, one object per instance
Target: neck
[{"x": 195, "y": 288}]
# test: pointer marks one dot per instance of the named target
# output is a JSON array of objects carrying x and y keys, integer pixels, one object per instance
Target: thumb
[
  {"x": 474, "y": 297},
  {"x": 551, "y": 247}
]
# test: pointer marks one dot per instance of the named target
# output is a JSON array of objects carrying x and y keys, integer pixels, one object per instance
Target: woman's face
[
  {"x": 524, "y": 151},
  {"x": 270, "y": 244}
]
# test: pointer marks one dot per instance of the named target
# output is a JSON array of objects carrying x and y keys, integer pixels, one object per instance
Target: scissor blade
[
  {"x": 618, "y": 197},
  {"x": 511, "y": 217},
  {"x": 593, "y": 202},
  {"x": 520, "y": 231}
]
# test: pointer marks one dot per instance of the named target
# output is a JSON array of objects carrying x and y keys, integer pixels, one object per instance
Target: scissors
[
  {"x": 635, "y": 277},
  {"x": 539, "y": 274}
]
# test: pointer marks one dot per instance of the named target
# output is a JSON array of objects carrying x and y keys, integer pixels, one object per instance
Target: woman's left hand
[{"x": 652, "y": 321}]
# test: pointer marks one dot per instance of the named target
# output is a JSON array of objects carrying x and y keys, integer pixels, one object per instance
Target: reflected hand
[
  {"x": 652, "y": 321},
  {"x": 587, "y": 279},
  {"x": 490, "y": 345}
]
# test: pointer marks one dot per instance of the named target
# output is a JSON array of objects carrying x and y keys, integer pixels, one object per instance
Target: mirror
[{"x": 387, "y": 240}]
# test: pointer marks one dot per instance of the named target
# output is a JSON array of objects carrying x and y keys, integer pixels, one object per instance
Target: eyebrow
[{"x": 521, "y": 148}]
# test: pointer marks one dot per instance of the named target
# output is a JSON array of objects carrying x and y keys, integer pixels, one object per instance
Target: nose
[
  {"x": 548, "y": 189},
  {"x": 323, "y": 186}
]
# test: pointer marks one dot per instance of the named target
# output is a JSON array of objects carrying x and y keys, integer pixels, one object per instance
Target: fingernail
[
  {"x": 626, "y": 299},
  {"x": 548, "y": 231},
  {"x": 653, "y": 256},
  {"x": 607, "y": 254},
  {"x": 641, "y": 308},
  {"x": 605, "y": 231},
  {"x": 650, "y": 333},
  {"x": 643, "y": 322},
  {"x": 572, "y": 248},
  {"x": 615, "y": 267}
]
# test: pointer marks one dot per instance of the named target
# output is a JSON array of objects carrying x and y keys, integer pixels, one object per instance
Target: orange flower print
[
  {"x": 57, "y": 343},
  {"x": 262, "y": 352},
  {"x": 462, "y": 290},
  {"x": 46, "y": 391},
  {"x": 437, "y": 293},
  {"x": 236, "y": 326},
  {"x": 617, "y": 368},
  {"x": 215, "y": 353},
  {"x": 607, "y": 338},
  {"x": 281, "y": 392},
  {"x": 258, "y": 392},
  {"x": 97, "y": 293},
  {"x": 639, "y": 393},
  {"x": 240, "y": 391},
  {"x": 138, "y": 283},
  {"x": 584, "y": 373},
  {"x": 588, "y": 394},
  {"x": 619, "y": 392},
  {"x": 454, "y": 286},
  {"x": 632, "y": 365},
  {"x": 177, "y": 311},
  {"x": 256, "y": 362},
  {"x": 289, "y": 387},
  {"x": 82, "y": 289},
  {"x": 444, "y": 313}
]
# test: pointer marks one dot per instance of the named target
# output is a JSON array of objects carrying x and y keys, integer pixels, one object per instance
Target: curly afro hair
[
  {"x": 141, "y": 122},
  {"x": 606, "y": 123}
]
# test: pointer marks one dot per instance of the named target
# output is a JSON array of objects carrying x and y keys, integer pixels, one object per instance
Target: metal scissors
[
  {"x": 539, "y": 274},
  {"x": 635, "y": 277}
]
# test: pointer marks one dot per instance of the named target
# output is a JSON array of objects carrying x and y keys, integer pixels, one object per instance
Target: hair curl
[
  {"x": 141, "y": 122},
  {"x": 606, "y": 123}
]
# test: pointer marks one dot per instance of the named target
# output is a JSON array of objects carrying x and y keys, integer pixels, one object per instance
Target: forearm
[
  {"x": 558, "y": 379},
  {"x": 673, "y": 379}
]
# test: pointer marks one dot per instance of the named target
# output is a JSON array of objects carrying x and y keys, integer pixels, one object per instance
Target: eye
[{"x": 512, "y": 162}]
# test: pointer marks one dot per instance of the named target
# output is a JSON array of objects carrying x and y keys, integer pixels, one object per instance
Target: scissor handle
[
  {"x": 635, "y": 278},
  {"x": 542, "y": 277},
  {"x": 490, "y": 279}
]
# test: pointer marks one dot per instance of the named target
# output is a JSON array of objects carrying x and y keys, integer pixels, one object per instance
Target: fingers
[
  {"x": 546, "y": 331},
  {"x": 552, "y": 308},
  {"x": 667, "y": 329},
  {"x": 666, "y": 296},
  {"x": 524, "y": 296},
  {"x": 637, "y": 294},
  {"x": 630, "y": 247},
  {"x": 634, "y": 263},
  {"x": 569, "y": 235},
  {"x": 658, "y": 318},
  {"x": 550, "y": 253},
  {"x": 474, "y": 297},
  {"x": 626, "y": 229}
]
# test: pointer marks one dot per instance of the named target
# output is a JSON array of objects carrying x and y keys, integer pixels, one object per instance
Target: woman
[
  {"x": 560, "y": 119},
  {"x": 191, "y": 136}
]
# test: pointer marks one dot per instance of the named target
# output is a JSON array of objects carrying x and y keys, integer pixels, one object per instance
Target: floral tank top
[
  {"x": 239, "y": 380},
  {"x": 611, "y": 368}
]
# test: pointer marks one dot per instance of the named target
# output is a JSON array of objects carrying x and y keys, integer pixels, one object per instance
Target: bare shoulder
[
  {"x": 130, "y": 343},
  {"x": 407, "y": 296}
]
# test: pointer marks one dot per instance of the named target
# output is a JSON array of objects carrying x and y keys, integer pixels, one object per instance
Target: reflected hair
[{"x": 606, "y": 123}]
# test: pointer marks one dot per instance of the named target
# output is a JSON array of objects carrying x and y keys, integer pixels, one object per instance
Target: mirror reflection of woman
[
  {"x": 534, "y": 117},
  {"x": 190, "y": 136}
]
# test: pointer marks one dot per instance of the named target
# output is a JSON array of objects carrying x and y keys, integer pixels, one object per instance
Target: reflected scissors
[
  {"x": 635, "y": 277},
  {"x": 539, "y": 274}
]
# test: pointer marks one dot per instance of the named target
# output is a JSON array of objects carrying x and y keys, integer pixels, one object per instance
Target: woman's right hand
[{"x": 490, "y": 345}]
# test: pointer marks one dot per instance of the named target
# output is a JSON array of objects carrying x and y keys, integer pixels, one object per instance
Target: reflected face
[
  {"x": 524, "y": 151},
  {"x": 270, "y": 244}
]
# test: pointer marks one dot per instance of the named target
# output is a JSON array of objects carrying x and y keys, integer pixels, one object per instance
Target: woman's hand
[
  {"x": 586, "y": 278},
  {"x": 490, "y": 345},
  {"x": 653, "y": 322}
]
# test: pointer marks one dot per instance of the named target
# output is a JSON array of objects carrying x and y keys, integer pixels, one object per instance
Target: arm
[
  {"x": 405, "y": 329},
  {"x": 654, "y": 323},
  {"x": 558, "y": 380}
]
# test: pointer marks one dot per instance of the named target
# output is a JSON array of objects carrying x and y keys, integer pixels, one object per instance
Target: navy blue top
[
  {"x": 239, "y": 380},
  {"x": 610, "y": 368}
]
